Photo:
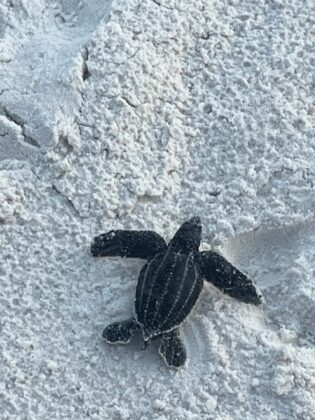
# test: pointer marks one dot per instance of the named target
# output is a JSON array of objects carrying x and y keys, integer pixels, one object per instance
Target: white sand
[{"x": 139, "y": 114}]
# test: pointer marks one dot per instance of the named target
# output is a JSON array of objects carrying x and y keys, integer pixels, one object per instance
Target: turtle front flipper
[
  {"x": 120, "y": 332},
  {"x": 128, "y": 243},
  {"x": 172, "y": 349},
  {"x": 222, "y": 274}
]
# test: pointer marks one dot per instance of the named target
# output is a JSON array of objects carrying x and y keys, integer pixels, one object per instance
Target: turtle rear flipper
[
  {"x": 120, "y": 332},
  {"x": 172, "y": 349}
]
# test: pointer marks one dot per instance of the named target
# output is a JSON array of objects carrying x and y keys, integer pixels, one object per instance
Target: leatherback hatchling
[{"x": 169, "y": 283}]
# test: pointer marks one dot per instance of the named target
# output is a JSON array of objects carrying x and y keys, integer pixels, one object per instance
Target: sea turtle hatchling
[{"x": 169, "y": 284}]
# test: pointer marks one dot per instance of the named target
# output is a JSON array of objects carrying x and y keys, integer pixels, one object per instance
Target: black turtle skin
[{"x": 169, "y": 284}]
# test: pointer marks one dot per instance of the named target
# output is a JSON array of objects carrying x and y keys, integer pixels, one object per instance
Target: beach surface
[{"x": 129, "y": 114}]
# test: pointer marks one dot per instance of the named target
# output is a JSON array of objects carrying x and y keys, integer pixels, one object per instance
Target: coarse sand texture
[{"x": 138, "y": 115}]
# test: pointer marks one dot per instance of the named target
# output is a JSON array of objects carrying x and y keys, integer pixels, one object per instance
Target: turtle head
[{"x": 188, "y": 236}]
